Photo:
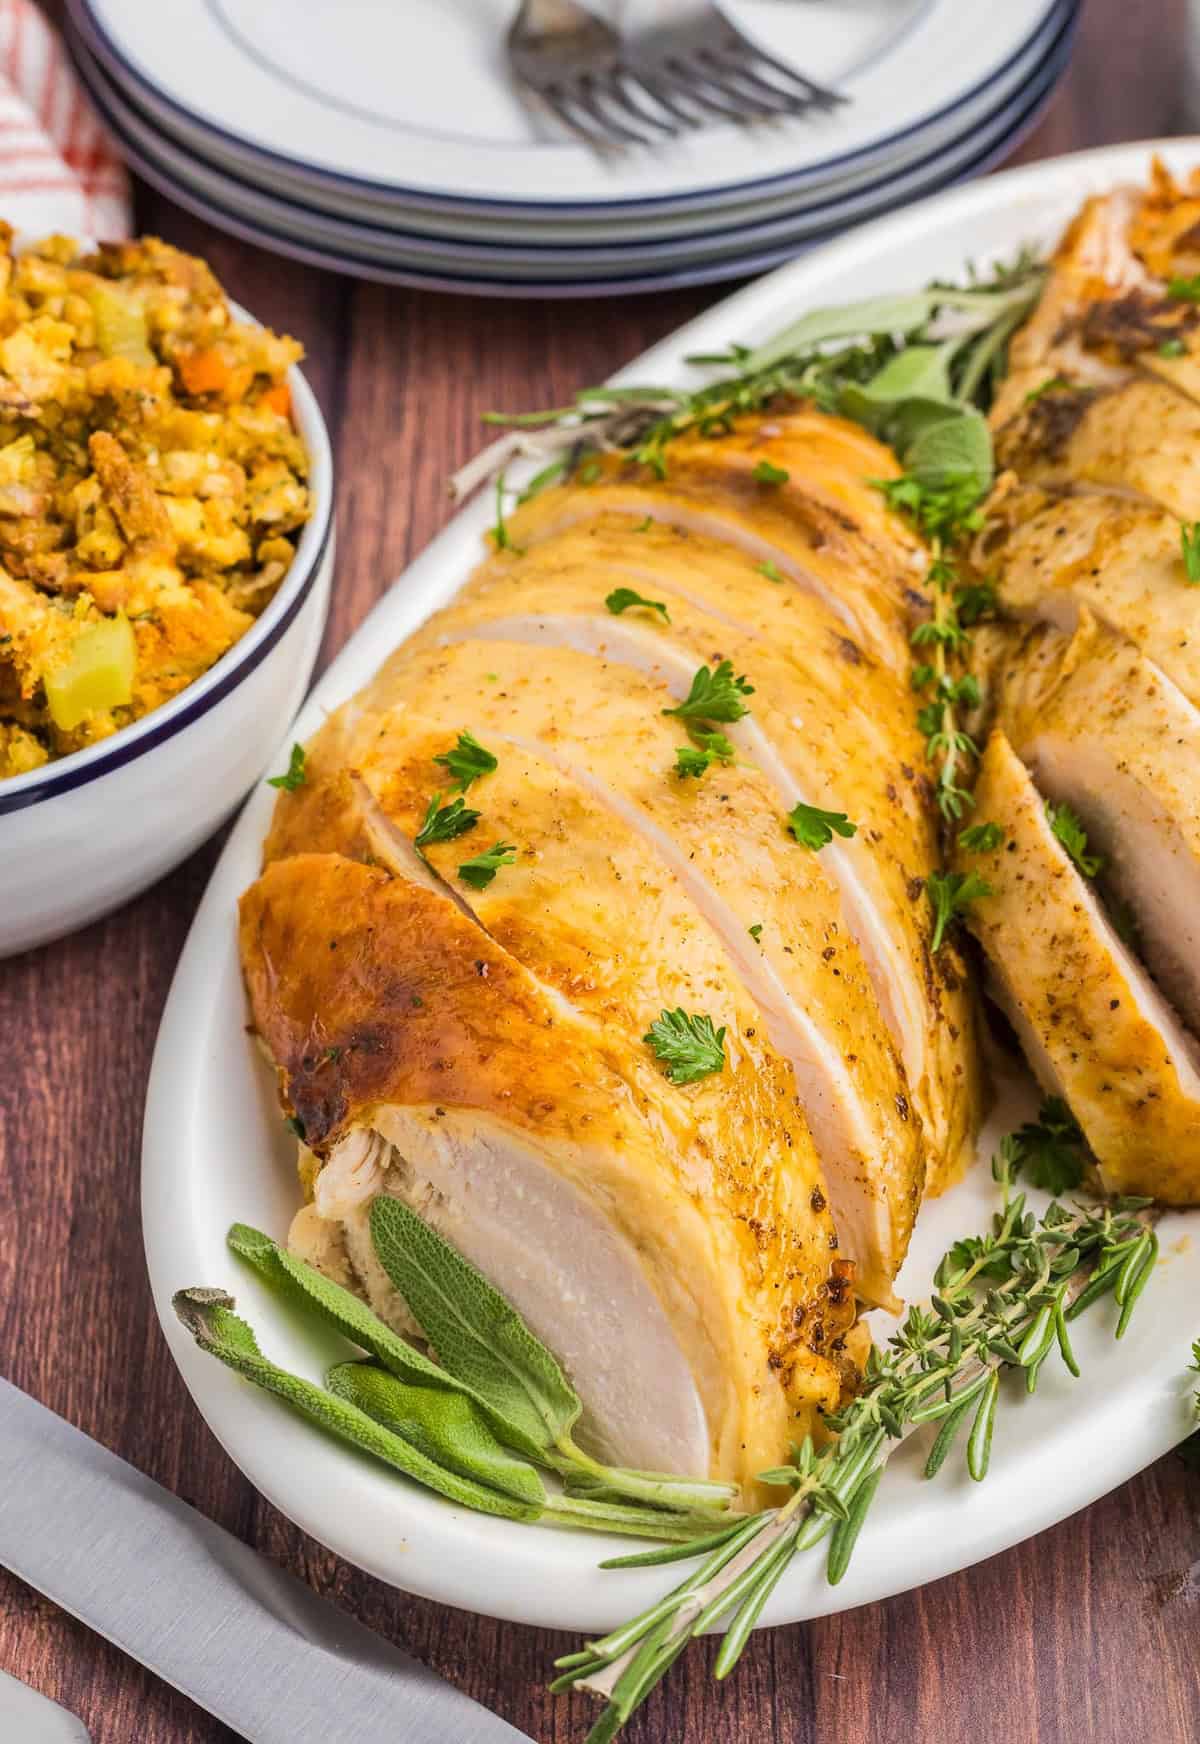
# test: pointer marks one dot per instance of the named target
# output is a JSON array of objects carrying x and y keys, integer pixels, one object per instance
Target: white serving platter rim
[
  {"x": 389, "y": 246},
  {"x": 942, "y": 53},
  {"x": 214, "y": 1149}
]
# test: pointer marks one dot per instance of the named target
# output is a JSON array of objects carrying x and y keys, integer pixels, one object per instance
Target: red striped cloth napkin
[{"x": 58, "y": 169}]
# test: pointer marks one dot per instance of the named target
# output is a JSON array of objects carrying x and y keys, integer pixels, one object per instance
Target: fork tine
[
  {"x": 791, "y": 102},
  {"x": 747, "y": 105},
  {"x": 662, "y": 92},
  {"x": 581, "y": 94},
  {"x": 555, "y": 100},
  {"x": 615, "y": 85},
  {"x": 694, "y": 83},
  {"x": 819, "y": 96}
]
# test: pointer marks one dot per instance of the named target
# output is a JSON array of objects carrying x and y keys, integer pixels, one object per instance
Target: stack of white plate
[{"x": 385, "y": 140}]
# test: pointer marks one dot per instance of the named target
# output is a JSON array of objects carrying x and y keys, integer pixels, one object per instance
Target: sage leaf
[
  {"x": 887, "y": 314},
  {"x": 309, "y": 1288},
  {"x": 447, "y": 1427},
  {"x": 955, "y": 448},
  {"x": 209, "y": 1317},
  {"x": 478, "y": 1336}
]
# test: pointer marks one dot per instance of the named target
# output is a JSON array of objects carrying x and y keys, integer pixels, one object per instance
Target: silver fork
[{"x": 664, "y": 76}]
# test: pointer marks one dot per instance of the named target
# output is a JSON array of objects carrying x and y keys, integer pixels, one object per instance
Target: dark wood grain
[{"x": 1086, "y": 1635}]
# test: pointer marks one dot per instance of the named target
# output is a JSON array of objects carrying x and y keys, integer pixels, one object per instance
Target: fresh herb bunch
[
  {"x": 1001, "y": 1300},
  {"x": 478, "y": 1426},
  {"x": 835, "y": 357}
]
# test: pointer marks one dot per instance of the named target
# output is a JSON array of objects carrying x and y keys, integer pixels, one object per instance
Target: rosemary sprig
[{"x": 1001, "y": 1300}]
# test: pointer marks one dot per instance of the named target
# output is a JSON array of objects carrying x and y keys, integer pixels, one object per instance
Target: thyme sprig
[{"x": 1001, "y": 1300}]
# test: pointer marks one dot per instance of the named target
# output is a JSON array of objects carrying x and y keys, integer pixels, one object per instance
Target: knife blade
[{"x": 242, "y": 1638}]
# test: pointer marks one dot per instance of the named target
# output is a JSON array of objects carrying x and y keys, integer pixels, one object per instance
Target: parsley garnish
[
  {"x": 980, "y": 838},
  {"x": 1051, "y": 1151},
  {"x": 294, "y": 1125},
  {"x": 709, "y": 748},
  {"x": 814, "y": 828},
  {"x": 1047, "y": 387},
  {"x": 467, "y": 762},
  {"x": 622, "y": 598},
  {"x": 950, "y": 895},
  {"x": 295, "y": 776},
  {"x": 755, "y": 931},
  {"x": 644, "y": 526},
  {"x": 769, "y": 569},
  {"x": 1189, "y": 544},
  {"x": 716, "y": 695},
  {"x": 1172, "y": 348},
  {"x": 480, "y": 871},
  {"x": 1068, "y": 830},
  {"x": 765, "y": 473},
  {"x": 444, "y": 822},
  {"x": 689, "y": 1046},
  {"x": 1184, "y": 290}
]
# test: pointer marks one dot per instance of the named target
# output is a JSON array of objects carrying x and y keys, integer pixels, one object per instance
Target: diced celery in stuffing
[
  {"x": 120, "y": 323},
  {"x": 97, "y": 676}
]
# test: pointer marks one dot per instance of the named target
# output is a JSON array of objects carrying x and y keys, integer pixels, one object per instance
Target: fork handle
[{"x": 548, "y": 17}]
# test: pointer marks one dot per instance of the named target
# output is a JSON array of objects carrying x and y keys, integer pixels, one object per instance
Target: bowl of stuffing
[{"x": 166, "y": 547}]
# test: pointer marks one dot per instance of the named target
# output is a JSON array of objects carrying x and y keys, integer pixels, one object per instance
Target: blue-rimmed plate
[
  {"x": 736, "y": 251},
  {"x": 412, "y": 102}
]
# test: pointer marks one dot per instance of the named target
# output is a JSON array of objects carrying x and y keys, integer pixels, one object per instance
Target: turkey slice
[{"x": 1097, "y": 1030}]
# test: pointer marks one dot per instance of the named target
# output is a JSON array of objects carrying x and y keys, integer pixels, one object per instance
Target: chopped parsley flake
[
  {"x": 621, "y": 599},
  {"x": 1051, "y": 1151},
  {"x": 444, "y": 822},
  {"x": 467, "y": 762},
  {"x": 709, "y": 748},
  {"x": 769, "y": 569},
  {"x": 950, "y": 895},
  {"x": 981, "y": 838},
  {"x": 1189, "y": 545},
  {"x": 716, "y": 695},
  {"x": 755, "y": 931},
  {"x": 1184, "y": 290},
  {"x": 1069, "y": 831},
  {"x": 814, "y": 828},
  {"x": 295, "y": 776},
  {"x": 688, "y": 1046},
  {"x": 480, "y": 871},
  {"x": 765, "y": 473}
]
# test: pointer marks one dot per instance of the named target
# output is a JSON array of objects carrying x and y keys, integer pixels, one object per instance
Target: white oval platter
[{"x": 214, "y": 1149}]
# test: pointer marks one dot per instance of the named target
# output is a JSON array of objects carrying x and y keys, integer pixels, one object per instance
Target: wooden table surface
[{"x": 1081, "y": 1636}]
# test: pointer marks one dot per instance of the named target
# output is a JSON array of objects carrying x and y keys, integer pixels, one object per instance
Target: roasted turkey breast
[
  {"x": 1089, "y": 539},
  {"x": 483, "y": 1044}
]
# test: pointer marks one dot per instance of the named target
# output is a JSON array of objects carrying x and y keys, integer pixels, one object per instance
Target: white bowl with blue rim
[{"x": 83, "y": 834}]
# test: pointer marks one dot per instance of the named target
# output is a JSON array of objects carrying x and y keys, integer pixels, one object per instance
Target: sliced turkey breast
[
  {"x": 796, "y": 491},
  {"x": 1107, "y": 312},
  {"x": 1141, "y": 438},
  {"x": 849, "y": 747},
  {"x": 724, "y": 840},
  {"x": 1094, "y": 1026},
  {"x": 692, "y": 1288},
  {"x": 1093, "y": 260},
  {"x": 1104, "y": 730},
  {"x": 1122, "y": 560}
]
